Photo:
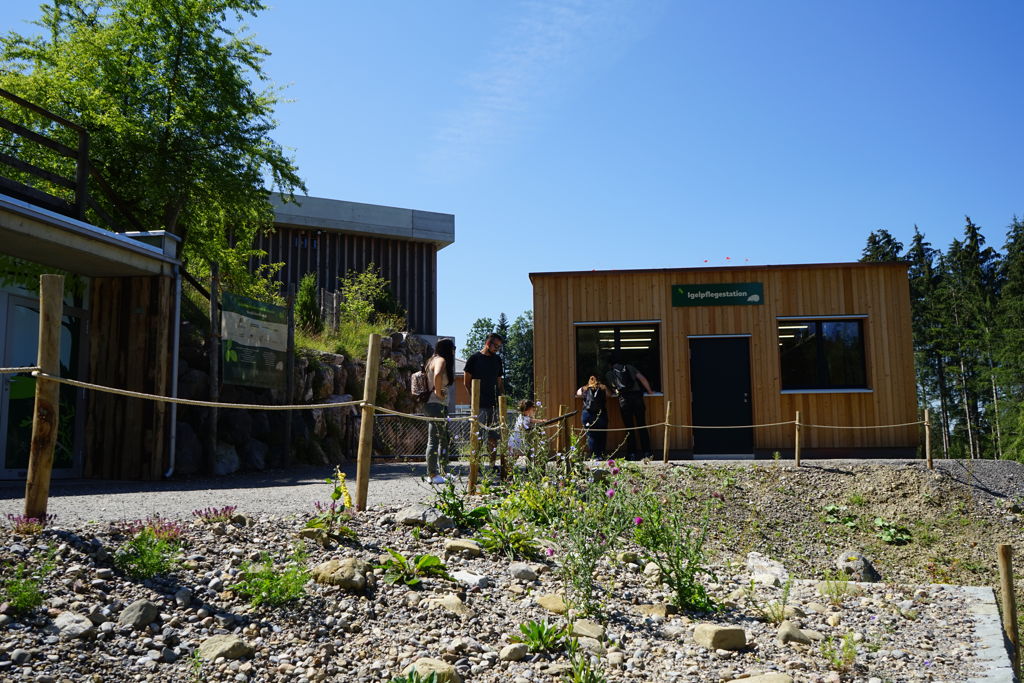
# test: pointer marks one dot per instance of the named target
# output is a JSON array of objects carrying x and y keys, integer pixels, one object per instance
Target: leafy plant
[
  {"x": 842, "y": 653},
  {"x": 540, "y": 636},
  {"x": 677, "y": 547},
  {"x": 837, "y": 514},
  {"x": 857, "y": 499},
  {"x": 411, "y": 572},
  {"x": 195, "y": 666},
  {"x": 452, "y": 504},
  {"x": 161, "y": 527},
  {"x": 212, "y": 515},
  {"x": 29, "y": 526},
  {"x": 146, "y": 555},
  {"x": 507, "y": 536},
  {"x": 891, "y": 533},
  {"x": 835, "y": 587},
  {"x": 582, "y": 669},
  {"x": 415, "y": 677},
  {"x": 264, "y": 583},
  {"x": 307, "y": 307},
  {"x": 329, "y": 516},
  {"x": 22, "y": 590}
]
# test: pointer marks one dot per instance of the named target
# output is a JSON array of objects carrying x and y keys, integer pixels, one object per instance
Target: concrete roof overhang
[{"x": 34, "y": 234}]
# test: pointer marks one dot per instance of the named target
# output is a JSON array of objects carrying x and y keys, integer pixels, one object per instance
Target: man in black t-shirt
[{"x": 486, "y": 366}]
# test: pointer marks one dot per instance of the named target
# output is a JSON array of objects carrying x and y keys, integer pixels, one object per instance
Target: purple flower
[
  {"x": 549, "y": 552},
  {"x": 615, "y": 470},
  {"x": 610, "y": 493},
  {"x": 638, "y": 520},
  {"x": 611, "y": 463}
]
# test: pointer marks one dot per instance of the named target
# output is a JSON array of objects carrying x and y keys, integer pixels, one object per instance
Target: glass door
[{"x": 17, "y": 392}]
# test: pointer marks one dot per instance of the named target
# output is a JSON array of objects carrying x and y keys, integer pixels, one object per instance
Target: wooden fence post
[
  {"x": 668, "y": 429},
  {"x": 366, "y": 424},
  {"x": 928, "y": 440},
  {"x": 46, "y": 415},
  {"x": 289, "y": 374},
  {"x": 796, "y": 440},
  {"x": 474, "y": 437},
  {"x": 1009, "y": 602},
  {"x": 561, "y": 437},
  {"x": 503, "y": 444},
  {"x": 213, "y": 351}
]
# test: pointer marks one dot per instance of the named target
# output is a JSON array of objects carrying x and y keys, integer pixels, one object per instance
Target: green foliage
[
  {"x": 842, "y": 653},
  {"x": 504, "y": 534},
  {"x": 411, "y": 572},
  {"x": 582, "y": 669},
  {"x": 476, "y": 336},
  {"x": 676, "y": 545},
  {"x": 516, "y": 354},
  {"x": 414, "y": 677},
  {"x": 837, "y": 514},
  {"x": 452, "y": 503},
  {"x": 176, "y": 123},
  {"x": 146, "y": 555},
  {"x": 773, "y": 611},
  {"x": 21, "y": 588},
  {"x": 212, "y": 515},
  {"x": 29, "y": 526},
  {"x": 264, "y": 583},
  {"x": 540, "y": 636},
  {"x": 307, "y": 307},
  {"x": 540, "y": 502},
  {"x": 367, "y": 298},
  {"x": 891, "y": 533},
  {"x": 835, "y": 588}
]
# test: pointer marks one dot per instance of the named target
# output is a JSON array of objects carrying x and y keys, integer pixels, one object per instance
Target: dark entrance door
[{"x": 720, "y": 394}]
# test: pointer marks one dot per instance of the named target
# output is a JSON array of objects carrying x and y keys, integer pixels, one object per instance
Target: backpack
[
  {"x": 623, "y": 378},
  {"x": 419, "y": 387}
]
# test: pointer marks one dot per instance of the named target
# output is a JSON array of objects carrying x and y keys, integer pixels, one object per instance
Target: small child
[{"x": 517, "y": 440}]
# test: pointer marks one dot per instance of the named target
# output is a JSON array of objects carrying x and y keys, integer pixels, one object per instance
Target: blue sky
[{"x": 581, "y": 134}]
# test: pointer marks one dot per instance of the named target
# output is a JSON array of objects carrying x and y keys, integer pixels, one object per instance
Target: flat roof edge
[{"x": 694, "y": 269}]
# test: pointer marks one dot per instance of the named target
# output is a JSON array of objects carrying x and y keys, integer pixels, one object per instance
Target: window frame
[
  {"x": 656, "y": 381},
  {"x": 853, "y": 317}
]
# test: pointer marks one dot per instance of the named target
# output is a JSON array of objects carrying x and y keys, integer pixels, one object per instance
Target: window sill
[{"x": 827, "y": 391}]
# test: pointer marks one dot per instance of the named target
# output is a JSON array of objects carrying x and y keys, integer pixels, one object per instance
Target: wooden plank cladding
[
  {"x": 129, "y": 349},
  {"x": 832, "y": 341}
]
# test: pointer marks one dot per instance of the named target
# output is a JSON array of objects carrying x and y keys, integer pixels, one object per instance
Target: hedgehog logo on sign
[{"x": 754, "y": 298}]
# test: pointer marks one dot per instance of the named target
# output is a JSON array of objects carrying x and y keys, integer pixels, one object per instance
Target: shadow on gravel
[{"x": 294, "y": 476}]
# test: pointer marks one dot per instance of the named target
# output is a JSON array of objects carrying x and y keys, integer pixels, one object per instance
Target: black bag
[
  {"x": 623, "y": 379},
  {"x": 419, "y": 387}
]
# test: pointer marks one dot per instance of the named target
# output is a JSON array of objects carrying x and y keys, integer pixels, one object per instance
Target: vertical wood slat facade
[
  {"x": 878, "y": 291},
  {"x": 130, "y": 340},
  {"x": 410, "y": 267}
]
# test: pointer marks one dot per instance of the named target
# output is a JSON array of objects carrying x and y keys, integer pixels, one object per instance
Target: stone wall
[{"x": 254, "y": 439}]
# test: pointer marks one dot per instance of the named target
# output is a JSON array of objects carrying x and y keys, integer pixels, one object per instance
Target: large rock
[
  {"x": 254, "y": 455},
  {"x": 319, "y": 422},
  {"x": 71, "y": 625},
  {"x": 453, "y": 604},
  {"x": 421, "y": 515},
  {"x": 765, "y": 678},
  {"x": 790, "y": 633},
  {"x": 350, "y": 573},
  {"x": 260, "y": 424},
  {"x": 766, "y": 571},
  {"x": 139, "y": 614},
  {"x": 471, "y": 579},
  {"x": 425, "y": 666},
  {"x": 717, "y": 637},
  {"x": 463, "y": 547},
  {"x": 194, "y": 384},
  {"x": 234, "y": 426},
  {"x": 225, "y": 460},
  {"x": 188, "y": 450},
  {"x": 585, "y": 628},
  {"x": 513, "y": 652},
  {"x": 553, "y": 602},
  {"x": 323, "y": 382},
  {"x": 226, "y": 646},
  {"x": 857, "y": 566}
]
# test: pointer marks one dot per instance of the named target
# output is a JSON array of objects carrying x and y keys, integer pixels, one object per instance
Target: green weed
[
  {"x": 411, "y": 572},
  {"x": 266, "y": 584},
  {"x": 147, "y": 555}
]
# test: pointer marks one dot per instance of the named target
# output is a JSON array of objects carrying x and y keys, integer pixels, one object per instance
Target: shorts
[{"x": 489, "y": 422}]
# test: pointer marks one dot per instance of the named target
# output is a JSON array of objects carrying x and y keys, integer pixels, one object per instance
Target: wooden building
[
  {"x": 330, "y": 237},
  {"x": 745, "y": 347}
]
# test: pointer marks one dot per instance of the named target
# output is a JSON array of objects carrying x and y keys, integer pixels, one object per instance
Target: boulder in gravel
[
  {"x": 421, "y": 515},
  {"x": 718, "y": 637},
  {"x": 226, "y": 646},
  {"x": 349, "y": 573},
  {"x": 765, "y": 678},
  {"x": 139, "y": 614},
  {"x": 225, "y": 460},
  {"x": 789, "y": 633},
  {"x": 522, "y": 571},
  {"x": 553, "y": 602},
  {"x": 453, "y": 604},
  {"x": 71, "y": 625},
  {"x": 425, "y": 666},
  {"x": 766, "y": 571},
  {"x": 513, "y": 652},
  {"x": 463, "y": 547},
  {"x": 585, "y": 628},
  {"x": 857, "y": 566},
  {"x": 470, "y": 579},
  {"x": 657, "y": 611}
]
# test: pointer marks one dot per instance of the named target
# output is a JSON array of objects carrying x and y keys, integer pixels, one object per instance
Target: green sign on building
[
  {"x": 728, "y": 294},
  {"x": 255, "y": 342}
]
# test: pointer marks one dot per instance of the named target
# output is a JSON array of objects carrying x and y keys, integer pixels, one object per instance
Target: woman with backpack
[
  {"x": 440, "y": 370},
  {"x": 595, "y": 415}
]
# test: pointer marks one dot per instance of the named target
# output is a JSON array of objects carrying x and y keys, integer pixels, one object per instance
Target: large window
[
  {"x": 637, "y": 342},
  {"x": 823, "y": 354}
]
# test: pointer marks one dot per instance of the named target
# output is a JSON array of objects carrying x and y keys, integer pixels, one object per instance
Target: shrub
[
  {"x": 146, "y": 555},
  {"x": 264, "y": 583},
  {"x": 307, "y": 307}
]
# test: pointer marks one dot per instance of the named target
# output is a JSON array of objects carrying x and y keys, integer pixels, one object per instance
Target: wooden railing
[{"x": 81, "y": 201}]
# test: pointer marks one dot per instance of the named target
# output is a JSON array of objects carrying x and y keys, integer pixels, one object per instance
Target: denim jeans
[
  {"x": 438, "y": 438},
  {"x": 596, "y": 441}
]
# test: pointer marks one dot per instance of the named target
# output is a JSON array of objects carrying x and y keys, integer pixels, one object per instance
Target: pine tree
[
  {"x": 1010, "y": 354},
  {"x": 881, "y": 248}
]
